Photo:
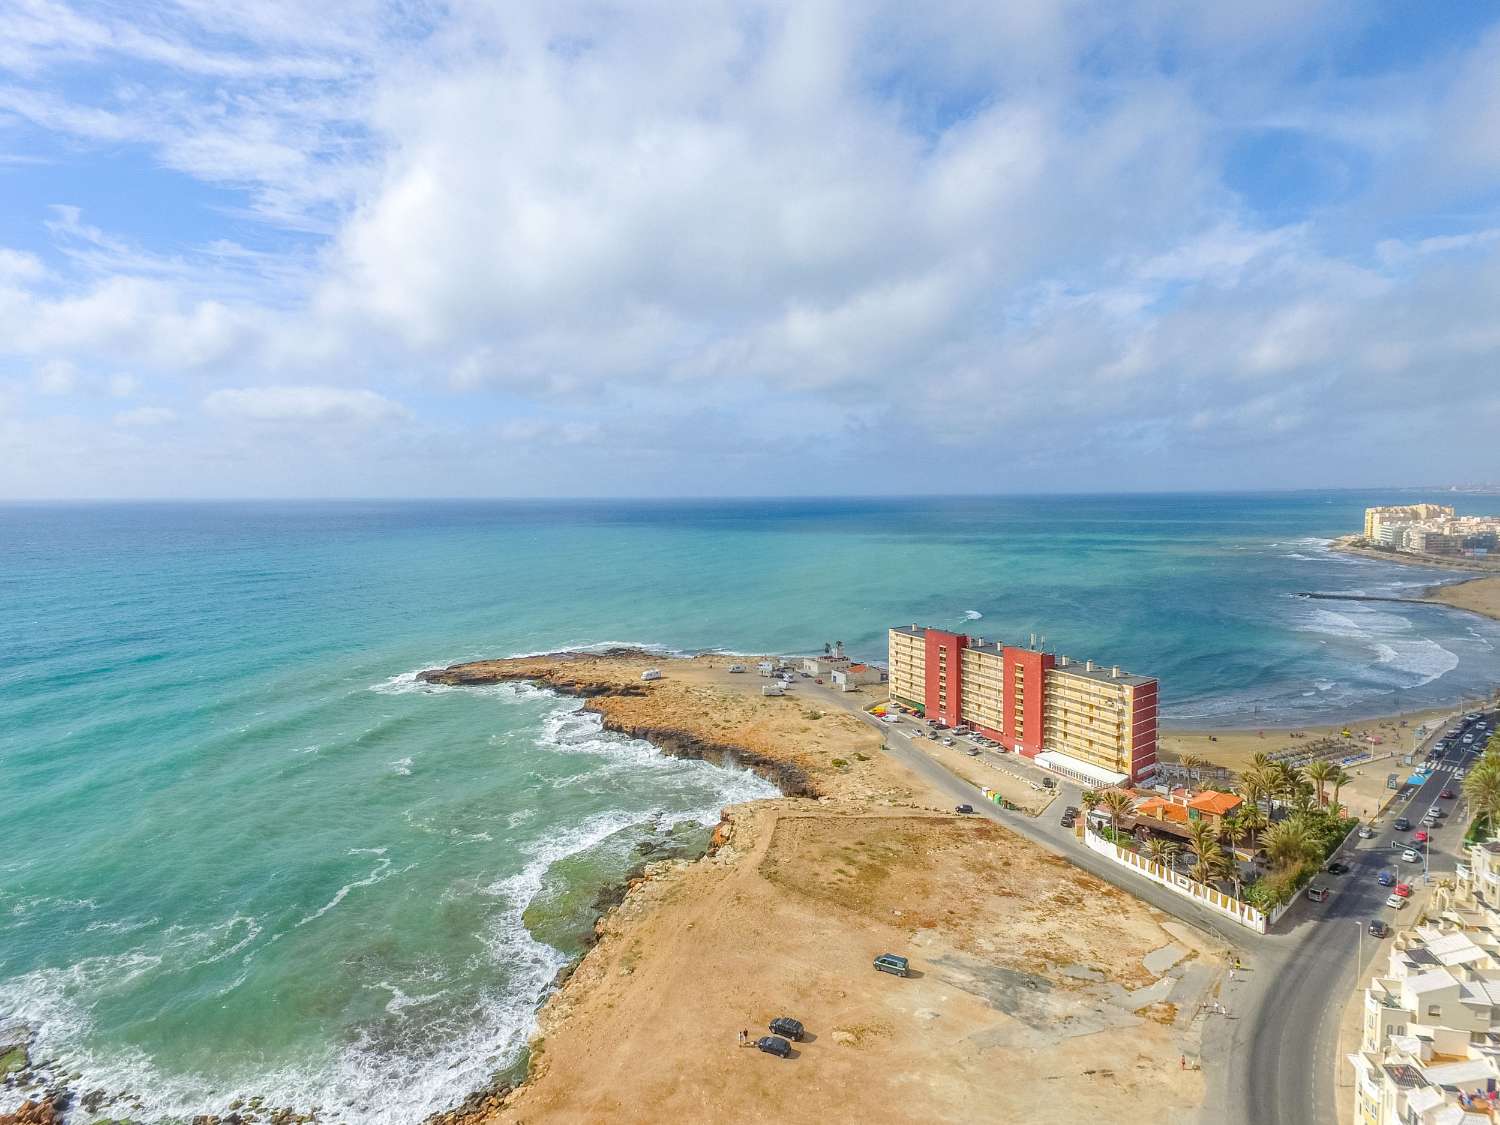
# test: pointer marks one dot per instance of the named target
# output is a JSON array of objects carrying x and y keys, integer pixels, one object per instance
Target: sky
[{"x": 724, "y": 247}]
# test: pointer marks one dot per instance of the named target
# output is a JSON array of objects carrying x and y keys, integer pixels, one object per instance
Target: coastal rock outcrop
[{"x": 787, "y": 776}]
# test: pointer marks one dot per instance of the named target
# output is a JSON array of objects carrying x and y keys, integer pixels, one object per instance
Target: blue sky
[{"x": 461, "y": 249}]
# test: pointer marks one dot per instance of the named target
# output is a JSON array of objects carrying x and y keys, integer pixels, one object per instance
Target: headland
[{"x": 1023, "y": 965}]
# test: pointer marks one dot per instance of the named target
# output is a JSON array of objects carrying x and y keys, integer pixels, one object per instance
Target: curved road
[{"x": 1272, "y": 1059}]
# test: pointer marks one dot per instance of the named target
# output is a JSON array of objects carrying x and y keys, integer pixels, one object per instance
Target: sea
[{"x": 248, "y": 853}]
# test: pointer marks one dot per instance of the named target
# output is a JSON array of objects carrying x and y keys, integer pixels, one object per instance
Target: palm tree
[
  {"x": 1263, "y": 781},
  {"x": 1482, "y": 790},
  {"x": 1253, "y": 818},
  {"x": 1288, "y": 777},
  {"x": 1162, "y": 851},
  {"x": 1119, "y": 804},
  {"x": 1338, "y": 779},
  {"x": 1262, "y": 760},
  {"x": 1203, "y": 842},
  {"x": 1192, "y": 763},
  {"x": 1235, "y": 831},
  {"x": 1319, "y": 773},
  {"x": 1304, "y": 800},
  {"x": 1290, "y": 844},
  {"x": 1090, "y": 800}
]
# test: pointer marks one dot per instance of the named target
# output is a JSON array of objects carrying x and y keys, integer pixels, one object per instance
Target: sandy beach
[
  {"x": 1478, "y": 595},
  {"x": 1090, "y": 1015}
]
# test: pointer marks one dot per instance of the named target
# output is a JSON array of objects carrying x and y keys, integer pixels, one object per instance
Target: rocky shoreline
[{"x": 679, "y": 743}]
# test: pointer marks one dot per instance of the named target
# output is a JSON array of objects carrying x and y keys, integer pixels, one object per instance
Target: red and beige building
[{"x": 1095, "y": 724}]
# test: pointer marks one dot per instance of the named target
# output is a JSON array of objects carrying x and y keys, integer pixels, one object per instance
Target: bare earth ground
[{"x": 1038, "y": 991}]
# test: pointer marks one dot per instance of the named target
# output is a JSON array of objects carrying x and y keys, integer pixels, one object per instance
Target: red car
[
  {"x": 1419, "y": 837},
  {"x": 1446, "y": 794},
  {"x": 1402, "y": 889}
]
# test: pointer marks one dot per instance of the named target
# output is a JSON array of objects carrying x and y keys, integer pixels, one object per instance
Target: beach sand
[
  {"x": 1235, "y": 748},
  {"x": 1479, "y": 595},
  {"x": 785, "y": 915}
]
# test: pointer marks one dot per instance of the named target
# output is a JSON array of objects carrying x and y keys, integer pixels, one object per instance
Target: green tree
[
  {"x": 1090, "y": 800},
  {"x": 1254, "y": 820},
  {"x": 1319, "y": 773},
  {"x": 1482, "y": 790},
  {"x": 1338, "y": 779},
  {"x": 1119, "y": 804},
  {"x": 1161, "y": 850},
  {"x": 1203, "y": 842},
  {"x": 1289, "y": 844}
]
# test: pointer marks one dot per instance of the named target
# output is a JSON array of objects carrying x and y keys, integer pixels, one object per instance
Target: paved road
[{"x": 1274, "y": 1055}]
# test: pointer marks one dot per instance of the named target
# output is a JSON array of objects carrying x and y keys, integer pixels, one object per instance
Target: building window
[{"x": 1434, "y": 1009}]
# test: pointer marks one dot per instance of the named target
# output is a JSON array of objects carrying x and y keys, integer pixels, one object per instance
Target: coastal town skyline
[{"x": 387, "y": 250}]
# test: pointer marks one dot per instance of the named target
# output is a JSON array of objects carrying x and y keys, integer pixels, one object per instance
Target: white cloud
[
  {"x": 742, "y": 226},
  {"x": 145, "y": 416},
  {"x": 56, "y": 377},
  {"x": 303, "y": 404}
]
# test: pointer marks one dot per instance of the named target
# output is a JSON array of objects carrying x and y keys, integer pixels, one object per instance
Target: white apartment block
[{"x": 1429, "y": 1051}]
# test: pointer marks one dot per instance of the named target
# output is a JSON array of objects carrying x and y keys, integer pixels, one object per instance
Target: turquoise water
[{"x": 249, "y": 854}]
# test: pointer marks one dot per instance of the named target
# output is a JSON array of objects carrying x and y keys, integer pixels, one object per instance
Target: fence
[{"x": 1217, "y": 901}]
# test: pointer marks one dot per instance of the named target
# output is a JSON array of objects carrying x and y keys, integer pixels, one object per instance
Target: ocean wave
[
  {"x": 382, "y": 868},
  {"x": 1400, "y": 655},
  {"x": 401, "y": 767}
]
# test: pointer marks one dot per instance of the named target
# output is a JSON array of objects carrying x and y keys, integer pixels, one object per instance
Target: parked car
[
  {"x": 890, "y": 963},
  {"x": 1446, "y": 795},
  {"x": 1336, "y": 868},
  {"x": 1402, "y": 889},
  {"x": 1378, "y": 929},
  {"x": 963, "y": 808},
  {"x": 947, "y": 742},
  {"x": 1419, "y": 837},
  {"x": 1049, "y": 783},
  {"x": 1402, "y": 824},
  {"x": 787, "y": 1028},
  {"x": 1410, "y": 855},
  {"x": 1317, "y": 894},
  {"x": 1366, "y": 832},
  {"x": 1385, "y": 879},
  {"x": 1396, "y": 902},
  {"x": 775, "y": 1045},
  {"x": 1067, "y": 820}
]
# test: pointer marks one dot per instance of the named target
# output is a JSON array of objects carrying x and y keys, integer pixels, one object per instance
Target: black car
[
  {"x": 1336, "y": 868},
  {"x": 963, "y": 808},
  {"x": 1378, "y": 929},
  {"x": 775, "y": 1045},
  {"x": 787, "y": 1027},
  {"x": 1402, "y": 824},
  {"x": 1067, "y": 820}
]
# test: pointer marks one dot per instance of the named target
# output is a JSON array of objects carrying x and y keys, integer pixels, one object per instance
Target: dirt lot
[
  {"x": 1038, "y": 991},
  {"x": 1029, "y": 996}
]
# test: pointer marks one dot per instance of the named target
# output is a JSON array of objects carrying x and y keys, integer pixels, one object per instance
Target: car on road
[
  {"x": 775, "y": 1045},
  {"x": 890, "y": 963},
  {"x": 1419, "y": 837},
  {"x": 963, "y": 808},
  {"x": 1377, "y": 928},
  {"x": 1385, "y": 879},
  {"x": 1336, "y": 868},
  {"x": 1402, "y": 889},
  {"x": 1410, "y": 855},
  {"x": 787, "y": 1028},
  {"x": 1317, "y": 894},
  {"x": 947, "y": 742},
  {"x": 1396, "y": 902},
  {"x": 1402, "y": 824},
  {"x": 1366, "y": 832},
  {"x": 1446, "y": 795}
]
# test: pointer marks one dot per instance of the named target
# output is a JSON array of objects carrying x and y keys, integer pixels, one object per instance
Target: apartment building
[
  {"x": 1095, "y": 724},
  {"x": 1429, "y": 1051},
  {"x": 1402, "y": 513}
]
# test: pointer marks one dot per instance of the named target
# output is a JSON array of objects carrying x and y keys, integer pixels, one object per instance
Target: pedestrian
[{"x": 1183, "y": 1062}]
